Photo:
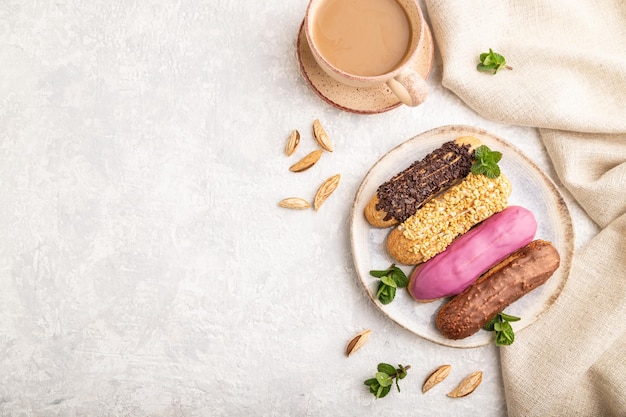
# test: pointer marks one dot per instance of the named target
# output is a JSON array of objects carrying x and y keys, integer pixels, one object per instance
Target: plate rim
[{"x": 562, "y": 207}]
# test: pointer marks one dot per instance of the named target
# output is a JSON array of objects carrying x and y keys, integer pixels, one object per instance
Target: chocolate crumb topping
[{"x": 405, "y": 192}]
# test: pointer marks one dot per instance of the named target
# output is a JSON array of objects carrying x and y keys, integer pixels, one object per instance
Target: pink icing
[{"x": 472, "y": 254}]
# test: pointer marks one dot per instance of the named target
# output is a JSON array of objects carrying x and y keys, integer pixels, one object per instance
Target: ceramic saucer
[{"x": 356, "y": 100}]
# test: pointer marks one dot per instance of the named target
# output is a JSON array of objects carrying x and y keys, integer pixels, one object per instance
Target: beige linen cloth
[{"x": 568, "y": 80}]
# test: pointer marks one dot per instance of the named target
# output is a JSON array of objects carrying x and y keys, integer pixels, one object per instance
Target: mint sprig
[
  {"x": 382, "y": 382},
  {"x": 390, "y": 279},
  {"x": 486, "y": 162},
  {"x": 501, "y": 325},
  {"x": 492, "y": 61}
]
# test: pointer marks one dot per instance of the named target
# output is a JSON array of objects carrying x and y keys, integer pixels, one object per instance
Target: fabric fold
[
  {"x": 569, "y": 345},
  {"x": 569, "y": 81},
  {"x": 568, "y": 60},
  {"x": 593, "y": 168}
]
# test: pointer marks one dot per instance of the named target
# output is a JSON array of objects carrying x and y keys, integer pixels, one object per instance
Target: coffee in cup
[{"x": 365, "y": 43}]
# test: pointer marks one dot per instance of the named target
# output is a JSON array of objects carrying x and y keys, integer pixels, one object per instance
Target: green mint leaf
[
  {"x": 383, "y": 379},
  {"x": 384, "y": 391},
  {"x": 505, "y": 337},
  {"x": 491, "y": 157},
  {"x": 399, "y": 277},
  {"x": 507, "y": 330},
  {"x": 500, "y": 62},
  {"x": 381, "y": 384},
  {"x": 504, "y": 331},
  {"x": 501, "y": 340},
  {"x": 485, "y": 68},
  {"x": 381, "y": 289},
  {"x": 491, "y": 324},
  {"x": 496, "y": 57},
  {"x": 386, "y": 368},
  {"x": 388, "y": 280},
  {"x": 480, "y": 152},
  {"x": 491, "y": 61},
  {"x": 477, "y": 169},
  {"x": 380, "y": 274},
  {"x": 385, "y": 293},
  {"x": 401, "y": 372},
  {"x": 507, "y": 317},
  {"x": 486, "y": 162},
  {"x": 488, "y": 158},
  {"x": 370, "y": 382},
  {"x": 490, "y": 58},
  {"x": 491, "y": 171}
]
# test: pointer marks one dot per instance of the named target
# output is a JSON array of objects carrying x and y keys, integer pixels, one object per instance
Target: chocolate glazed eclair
[
  {"x": 400, "y": 197},
  {"x": 505, "y": 283}
]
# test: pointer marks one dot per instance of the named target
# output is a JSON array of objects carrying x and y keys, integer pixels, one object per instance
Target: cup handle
[{"x": 409, "y": 87}]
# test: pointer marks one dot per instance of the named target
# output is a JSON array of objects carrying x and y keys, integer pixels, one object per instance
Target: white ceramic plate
[{"x": 532, "y": 189}]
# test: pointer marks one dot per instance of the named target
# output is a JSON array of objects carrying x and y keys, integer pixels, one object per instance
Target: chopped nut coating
[{"x": 434, "y": 226}]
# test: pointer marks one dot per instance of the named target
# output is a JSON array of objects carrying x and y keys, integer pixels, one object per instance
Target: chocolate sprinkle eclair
[{"x": 400, "y": 197}]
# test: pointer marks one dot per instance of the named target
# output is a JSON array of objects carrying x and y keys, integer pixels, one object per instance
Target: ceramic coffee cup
[{"x": 326, "y": 23}]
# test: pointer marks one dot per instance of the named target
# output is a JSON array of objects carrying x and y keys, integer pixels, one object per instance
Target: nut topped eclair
[
  {"x": 401, "y": 196},
  {"x": 436, "y": 224}
]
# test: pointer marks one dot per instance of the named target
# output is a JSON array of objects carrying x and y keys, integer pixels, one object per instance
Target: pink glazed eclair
[{"x": 473, "y": 253}]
